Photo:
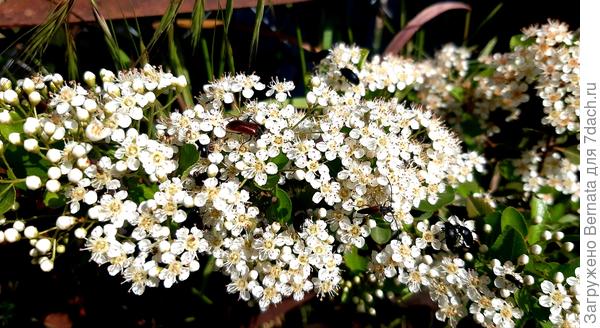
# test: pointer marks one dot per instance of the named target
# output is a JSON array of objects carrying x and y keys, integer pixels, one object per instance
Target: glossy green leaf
[
  {"x": 281, "y": 209},
  {"x": 355, "y": 262},
  {"x": 7, "y": 197},
  {"x": 280, "y": 160},
  {"x": 188, "y": 156},
  {"x": 381, "y": 235},
  {"x": 509, "y": 245},
  {"x": 511, "y": 218},
  {"x": 54, "y": 200},
  {"x": 538, "y": 208},
  {"x": 444, "y": 199}
]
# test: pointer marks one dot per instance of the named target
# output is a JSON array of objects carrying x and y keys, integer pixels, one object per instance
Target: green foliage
[
  {"x": 54, "y": 200},
  {"x": 281, "y": 209},
  {"x": 381, "y": 235},
  {"x": 511, "y": 218},
  {"x": 355, "y": 262},
  {"x": 7, "y": 197},
  {"x": 444, "y": 199},
  {"x": 509, "y": 245},
  {"x": 188, "y": 156}
]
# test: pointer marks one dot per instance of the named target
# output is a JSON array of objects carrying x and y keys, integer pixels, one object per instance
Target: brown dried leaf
[{"x": 415, "y": 24}]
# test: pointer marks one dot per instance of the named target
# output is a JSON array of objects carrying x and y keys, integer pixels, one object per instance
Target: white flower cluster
[
  {"x": 114, "y": 153},
  {"x": 563, "y": 301}
]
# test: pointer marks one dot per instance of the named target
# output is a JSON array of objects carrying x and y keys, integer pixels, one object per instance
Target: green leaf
[
  {"x": 458, "y": 93},
  {"x": 468, "y": 188},
  {"x": 489, "y": 47},
  {"x": 271, "y": 184},
  {"x": 140, "y": 192},
  {"x": 381, "y": 235},
  {"x": 538, "y": 208},
  {"x": 517, "y": 41},
  {"x": 478, "y": 207},
  {"x": 535, "y": 233},
  {"x": 444, "y": 199},
  {"x": 280, "y": 160},
  {"x": 509, "y": 245},
  {"x": 569, "y": 219},
  {"x": 7, "y": 197},
  {"x": 281, "y": 210},
  {"x": 511, "y": 218},
  {"x": 188, "y": 156},
  {"x": 54, "y": 200},
  {"x": 355, "y": 262},
  {"x": 571, "y": 153},
  {"x": 16, "y": 125}
]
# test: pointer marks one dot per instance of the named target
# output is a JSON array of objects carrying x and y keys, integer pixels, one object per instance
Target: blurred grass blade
[
  {"x": 120, "y": 58},
  {"x": 44, "y": 33},
  {"x": 197, "y": 20},
  {"x": 327, "y": 37},
  {"x": 166, "y": 22},
  {"x": 489, "y": 47},
  {"x": 490, "y": 16},
  {"x": 207, "y": 60},
  {"x": 71, "y": 55},
  {"x": 415, "y": 24},
  {"x": 179, "y": 67},
  {"x": 467, "y": 28},
  {"x": 302, "y": 57},
  {"x": 228, "y": 15},
  {"x": 260, "y": 10}
]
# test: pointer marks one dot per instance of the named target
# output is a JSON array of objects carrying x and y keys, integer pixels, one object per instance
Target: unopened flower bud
[
  {"x": 33, "y": 182},
  {"x": 528, "y": 280},
  {"x": 46, "y": 264},
  {"x": 5, "y": 117},
  {"x": 54, "y": 173},
  {"x": 49, "y": 128},
  {"x": 31, "y": 145},
  {"x": 43, "y": 245},
  {"x": 11, "y": 97},
  {"x": 15, "y": 138},
  {"x": 559, "y": 277},
  {"x": 31, "y": 126},
  {"x": 75, "y": 175},
  {"x": 568, "y": 246},
  {"x": 546, "y": 235},
  {"x": 54, "y": 155},
  {"x": 53, "y": 185},
  {"x": 65, "y": 222},
  {"x": 30, "y": 232},
  {"x": 89, "y": 78},
  {"x": 80, "y": 233},
  {"x": 11, "y": 235},
  {"x": 558, "y": 235},
  {"x": 34, "y": 98},
  {"x": 523, "y": 259},
  {"x": 536, "y": 249}
]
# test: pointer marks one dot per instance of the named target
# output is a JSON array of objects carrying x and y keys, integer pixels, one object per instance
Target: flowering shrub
[{"x": 290, "y": 200}]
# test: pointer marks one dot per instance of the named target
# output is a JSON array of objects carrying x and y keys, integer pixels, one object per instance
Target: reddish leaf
[
  {"x": 57, "y": 320},
  {"x": 415, "y": 24}
]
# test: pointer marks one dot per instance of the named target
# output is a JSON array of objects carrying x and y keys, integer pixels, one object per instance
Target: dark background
[{"x": 91, "y": 298}]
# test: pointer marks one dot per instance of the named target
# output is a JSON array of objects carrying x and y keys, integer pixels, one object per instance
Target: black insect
[
  {"x": 244, "y": 127},
  {"x": 204, "y": 149},
  {"x": 458, "y": 237},
  {"x": 316, "y": 57},
  {"x": 350, "y": 75},
  {"x": 514, "y": 280},
  {"x": 377, "y": 209}
]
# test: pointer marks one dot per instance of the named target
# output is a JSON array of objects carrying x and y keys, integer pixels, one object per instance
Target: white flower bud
[
  {"x": 30, "y": 232},
  {"x": 212, "y": 171},
  {"x": 523, "y": 259},
  {"x": 487, "y": 228},
  {"x": 54, "y": 173},
  {"x": 558, "y": 235},
  {"x": 536, "y": 249},
  {"x": 83, "y": 163},
  {"x": 181, "y": 81},
  {"x": 28, "y": 85},
  {"x": 52, "y": 185},
  {"x": 31, "y": 126},
  {"x": 164, "y": 246},
  {"x": 188, "y": 201},
  {"x": 75, "y": 175},
  {"x": 428, "y": 259},
  {"x": 11, "y": 235},
  {"x": 34, "y": 98},
  {"x": 14, "y": 138},
  {"x": 5, "y": 117},
  {"x": 138, "y": 86},
  {"x": 54, "y": 155},
  {"x": 31, "y": 145},
  {"x": 546, "y": 235},
  {"x": 57, "y": 79},
  {"x": 90, "y": 105},
  {"x": 121, "y": 166},
  {"x": 1, "y": 146},
  {"x": 5, "y": 84},
  {"x": 49, "y": 128},
  {"x": 46, "y": 264},
  {"x": 568, "y": 246},
  {"x": 11, "y": 97},
  {"x": 60, "y": 249},
  {"x": 559, "y": 277},
  {"x": 19, "y": 225},
  {"x": 1, "y": 236},
  {"x": 43, "y": 245},
  {"x": 78, "y": 151},
  {"x": 80, "y": 233},
  {"x": 528, "y": 280},
  {"x": 538, "y": 219},
  {"x": 59, "y": 134},
  {"x": 89, "y": 78},
  {"x": 65, "y": 222},
  {"x": 504, "y": 293},
  {"x": 150, "y": 97},
  {"x": 82, "y": 114},
  {"x": 468, "y": 257},
  {"x": 321, "y": 212},
  {"x": 33, "y": 182}
]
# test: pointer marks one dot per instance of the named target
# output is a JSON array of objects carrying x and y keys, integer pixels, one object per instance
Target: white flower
[
  {"x": 506, "y": 313},
  {"x": 254, "y": 166},
  {"x": 114, "y": 208},
  {"x": 555, "y": 298}
]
